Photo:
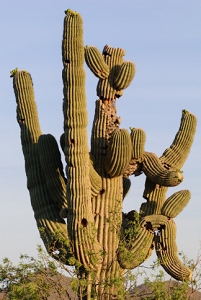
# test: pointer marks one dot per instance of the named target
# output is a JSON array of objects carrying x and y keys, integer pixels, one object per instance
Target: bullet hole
[
  {"x": 66, "y": 61},
  {"x": 72, "y": 141},
  {"x": 84, "y": 222},
  {"x": 102, "y": 191},
  {"x": 22, "y": 120}
]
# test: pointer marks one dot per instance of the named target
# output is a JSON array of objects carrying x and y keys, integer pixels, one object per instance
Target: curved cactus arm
[
  {"x": 173, "y": 157},
  {"x": 176, "y": 155},
  {"x": 81, "y": 226},
  {"x": 154, "y": 170},
  {"x": 95, "y": 62},
  {"x": 118, "y": 153},
  {"x": 46, "y": 212},
  {"x": 175, "y": 203},
  {"x": 136, "y": 243},
  {"x": 166, "y": 250},
  {"x": 50, "y": 159},
  {"x": 138, "y": 139},
  {"x": 106, "y": 88},
  {"x": 125, "y": 75}
]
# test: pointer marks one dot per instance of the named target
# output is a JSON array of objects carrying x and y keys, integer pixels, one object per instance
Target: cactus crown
[
  {"x": 113, "y": 72},
  {"x": 13, "y": 72}
]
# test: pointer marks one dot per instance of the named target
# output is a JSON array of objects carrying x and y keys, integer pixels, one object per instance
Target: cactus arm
[
  {"x": 125, "y": 75},
  {"x": 175, "y": 203},
  {"x": 96, "y": 63},
  {"x": 176, "y": 155},
  {"x": 154, "y": 170},
  {"x": 106, "y": 88},
  {"x": 95, "y": 179},
  {"x": 141, "y": 249},
  {"x": 155, "y": 196},
  {"x": 136, "y": 242},
  {"x": 138, "y": 139},
  {"x": 50, "y": 159},
  {"x": 80, "y": 216},
  {"x": 173, "y": 157},
  {"x": 166, "y": 250},
  {"x": 118, "y": 153},
  {"x": 46, "y": 212},
  {"x": 165, "y": 245}
]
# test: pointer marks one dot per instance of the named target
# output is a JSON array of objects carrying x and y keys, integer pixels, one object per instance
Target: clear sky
[{"x": 162, "y": 38}]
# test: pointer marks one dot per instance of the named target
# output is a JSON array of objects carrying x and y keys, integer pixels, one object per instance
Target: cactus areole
[{"x": 79, "y": 213}]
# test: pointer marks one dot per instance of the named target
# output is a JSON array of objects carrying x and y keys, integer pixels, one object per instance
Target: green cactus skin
[
  {"x": 95, "y": 179},
  {"x": 175, "y": 203},
  {"x": 96, "y": 63},
  {"x": 154, "y": 170},
  {"x": 50, "y": 159},
  {"x": 129, "y": 257},
  {"x": 115, "y": 74},
  {"x": 125, "y": 75},
  {"x": 138, "y": 139},
  {"x": 126, "y": 186},
  {"x": 101, "y": 241},
  {"x": 176, "y": 155},
  {"x": 118, "y": 152},
  {"x": 46, "y": 211},
  {"x": 80, "y": 224},
  {"x": 166, "y": 250}
]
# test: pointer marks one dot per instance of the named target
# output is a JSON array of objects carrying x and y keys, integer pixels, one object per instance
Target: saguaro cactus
[{"x": 100, "y": 240}]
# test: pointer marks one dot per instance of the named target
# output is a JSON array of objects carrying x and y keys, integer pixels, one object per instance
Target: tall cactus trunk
[
  {"x": 107, "y": 205},
  {"x": 93, "y": 222}
]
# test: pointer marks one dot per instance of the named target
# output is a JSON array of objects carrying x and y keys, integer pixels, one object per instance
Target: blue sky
[{"x": 162, "y": 38}]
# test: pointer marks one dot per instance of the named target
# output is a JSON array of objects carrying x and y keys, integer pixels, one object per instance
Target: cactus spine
[{"x": 97, "y": 238}]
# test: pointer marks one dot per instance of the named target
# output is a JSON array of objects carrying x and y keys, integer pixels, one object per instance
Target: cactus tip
[
  {"x": 13, "y": 72},
  {"x": 184, "y": 111},
  {"x": 71, "y": 12}
]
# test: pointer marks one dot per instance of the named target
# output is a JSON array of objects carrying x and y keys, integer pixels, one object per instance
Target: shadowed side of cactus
[{"x": 46, "y": 208}]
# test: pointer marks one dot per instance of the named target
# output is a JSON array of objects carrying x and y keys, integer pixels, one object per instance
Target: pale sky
[{"x": 162, "y": 38}]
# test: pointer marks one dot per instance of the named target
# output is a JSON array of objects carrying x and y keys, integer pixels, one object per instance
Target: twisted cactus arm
[
  {"x": 173, "y": 157},
  {"x": 167, "y": 252},
  {"x": 154, "y": 170},
  {"x": 176, "y": 155}
]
